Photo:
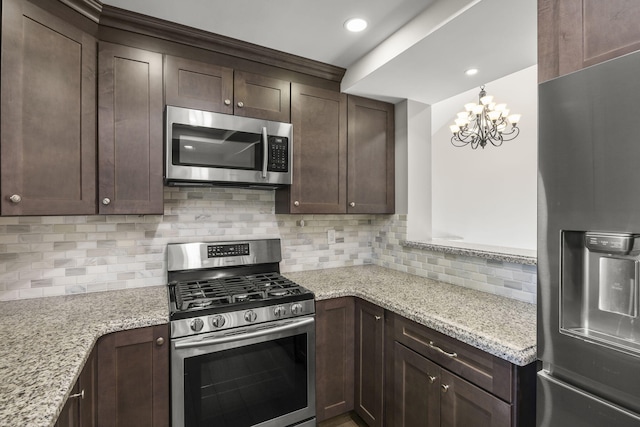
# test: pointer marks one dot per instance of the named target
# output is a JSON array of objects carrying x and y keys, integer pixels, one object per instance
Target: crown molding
[
  {"x": 166, "y": 30},
  {"x": 88, "y": 8}
]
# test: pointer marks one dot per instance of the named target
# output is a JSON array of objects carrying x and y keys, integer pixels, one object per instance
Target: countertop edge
[
  {"x": 502, "y": 351},
  {"x": 493, "y": 255}
]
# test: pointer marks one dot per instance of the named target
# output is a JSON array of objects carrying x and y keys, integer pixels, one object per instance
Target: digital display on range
[{"x": 219, "y": 251}]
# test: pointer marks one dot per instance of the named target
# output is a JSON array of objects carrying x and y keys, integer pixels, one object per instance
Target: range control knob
[
  {"x": 279, "y": 311},
  {"x": 217, "y": 321},
  {"x": 250, "y": 316},
  {"x": 296, "y": 308},
  {"x": 196, "y": 324}
]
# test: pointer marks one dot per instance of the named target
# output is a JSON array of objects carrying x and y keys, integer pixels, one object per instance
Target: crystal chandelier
[{"x": 483, "y": 123}]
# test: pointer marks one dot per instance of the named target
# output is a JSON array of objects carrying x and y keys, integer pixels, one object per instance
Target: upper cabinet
[
  {"x": 343, "y": 154},
  {"x": 48, "y": 121},
  {"x": 205, "y": 86},
  {"x": 319, "y": 118},
  {"x": 574, "y": 34},
  {"x": 370, "y": 156},
  {"x": 130, "y": 130}
]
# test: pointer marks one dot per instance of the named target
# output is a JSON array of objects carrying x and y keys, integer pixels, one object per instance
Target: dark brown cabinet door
[
  {"x": 48, "y": 123},
  {"x": 319, "y": 119},
  {"x": 369, "y": 362},
  {"x": 198, "y": 85},
  {"x": 573, "y": 34},
  {"x": 70, "y": 415},
  {"x": 463, "y": 405},
  {"x": 370, "y": 154},
  {"x": 130, "y": 131},
  {"x": 334, "y": 357},
  {"x": 209, "y": 87},
  {"x": 81, "y": 408},
  {"x": 261, "y": 97},
  {"x": 133, "y": 378},
  {"x": 417, "y": 389}
]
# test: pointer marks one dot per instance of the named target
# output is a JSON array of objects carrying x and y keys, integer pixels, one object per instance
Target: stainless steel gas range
[{"x": 242, "y": 337}]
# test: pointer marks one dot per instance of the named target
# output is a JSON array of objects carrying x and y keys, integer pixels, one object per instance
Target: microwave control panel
[{"x": 278, "y": 154}]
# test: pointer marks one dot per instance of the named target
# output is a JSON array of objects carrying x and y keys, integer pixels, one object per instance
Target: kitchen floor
[{"x": 345, "y": 420}]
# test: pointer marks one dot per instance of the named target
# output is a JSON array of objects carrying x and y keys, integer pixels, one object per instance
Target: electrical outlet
[{"x": 331, "y": 237}]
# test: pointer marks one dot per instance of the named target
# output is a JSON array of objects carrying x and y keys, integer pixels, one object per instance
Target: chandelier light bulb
[
  {"x": 483, "y": 123},
  {"x": 486, "y": 100},
  {"x": 514, "y": 118},
  {"x": 494, "y": 115}
]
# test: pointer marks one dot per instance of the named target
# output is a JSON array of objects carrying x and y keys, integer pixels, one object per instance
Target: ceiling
[{"x": 412, "y": 49}]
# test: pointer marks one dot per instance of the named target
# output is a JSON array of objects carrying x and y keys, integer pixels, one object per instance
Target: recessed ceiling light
[
  {"x": 471, "y": 72},
  {"x": 355, "y": 24}
]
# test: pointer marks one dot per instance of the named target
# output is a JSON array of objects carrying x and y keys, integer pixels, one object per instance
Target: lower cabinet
[
  {"x": 429, "y": 396},
  {"x": 369, "y": 363},
  {"x": 404, "y": 374},
  {"x": 80, "y": 409},
  {"x": 334, "y": 357},
  {"x": 133, "y": 378}
]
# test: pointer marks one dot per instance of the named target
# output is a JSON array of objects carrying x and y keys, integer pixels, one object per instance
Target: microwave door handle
[
  {"x": 245, "y": 336},
  {"x": 265, "y": 151}
]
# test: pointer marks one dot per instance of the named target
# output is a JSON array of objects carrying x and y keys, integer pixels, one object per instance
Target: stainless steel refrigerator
[{"x": 589, "y": 247}]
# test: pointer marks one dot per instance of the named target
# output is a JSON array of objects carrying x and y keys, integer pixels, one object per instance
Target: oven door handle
[
  {"x": 265, "y": 151},
  {"x": 244, "y": 336}
]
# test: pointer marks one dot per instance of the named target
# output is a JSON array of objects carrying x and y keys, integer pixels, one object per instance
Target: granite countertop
[
  {"x": 46, "y": 341},
  {"x": 500, "y": 326}
]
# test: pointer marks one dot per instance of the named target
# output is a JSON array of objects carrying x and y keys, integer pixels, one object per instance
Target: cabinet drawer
[{"x": 480, "y": 368}]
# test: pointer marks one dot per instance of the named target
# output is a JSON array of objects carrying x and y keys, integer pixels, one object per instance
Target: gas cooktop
[{"x": 210, "y": 279}]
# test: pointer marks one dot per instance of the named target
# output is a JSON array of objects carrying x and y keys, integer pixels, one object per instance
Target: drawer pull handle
[
  {"x": 77, "y": 395},
  {"x": 438, "y": 349},
  {"x": 445, "y": 388},
  {"x": 432, "y": 379}
]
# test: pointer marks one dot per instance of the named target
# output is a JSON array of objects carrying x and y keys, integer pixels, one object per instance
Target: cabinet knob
[
  {"x": 77, "y": 395},
  {"x": 240, "y": 104},
  {"x": 296, "y": 203},
  {"x": 106, "y": 201},
  {"x": 352, "y": 204},
  {"x": 432, "y": 379},
  {"x": 159, "y": 341},
  {"x": 378, "y": 317},
  {"x": 227, "y": 102},
  {"x": 445, "y": 388},
  {"x": 15, "y": 198}
]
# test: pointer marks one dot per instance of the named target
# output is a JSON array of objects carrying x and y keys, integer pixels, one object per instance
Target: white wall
[
  {"x": 488, "y": 196},
  {"x": 483, "y": 196}
]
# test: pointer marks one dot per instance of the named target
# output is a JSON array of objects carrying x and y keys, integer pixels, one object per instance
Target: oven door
[{"x": 261, "y": 376}]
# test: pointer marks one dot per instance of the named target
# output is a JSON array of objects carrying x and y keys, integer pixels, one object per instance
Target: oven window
[
  {"x": 247, "y": 385},
  {"x": 211, "y": 147}
]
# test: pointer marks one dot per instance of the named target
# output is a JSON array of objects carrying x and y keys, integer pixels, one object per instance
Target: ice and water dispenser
[{"x": 599, "y": 288}]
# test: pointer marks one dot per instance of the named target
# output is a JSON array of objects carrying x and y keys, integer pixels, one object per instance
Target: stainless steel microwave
[{"x": 205, "y": 148}]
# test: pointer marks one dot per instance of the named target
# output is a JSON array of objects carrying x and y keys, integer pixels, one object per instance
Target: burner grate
[{"x": 235, "y": 289}]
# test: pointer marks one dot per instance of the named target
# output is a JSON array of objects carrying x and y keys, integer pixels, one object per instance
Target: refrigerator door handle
[{"x": 579, "y": 407}]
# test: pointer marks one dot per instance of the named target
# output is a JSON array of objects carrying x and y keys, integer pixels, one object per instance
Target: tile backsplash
[{"x": 56, "y": 255}]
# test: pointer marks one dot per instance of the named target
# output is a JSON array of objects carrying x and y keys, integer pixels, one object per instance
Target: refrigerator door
[
  {"x": 589, "y": 173},
  {"x": 561, "y": 404}
]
